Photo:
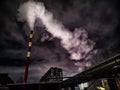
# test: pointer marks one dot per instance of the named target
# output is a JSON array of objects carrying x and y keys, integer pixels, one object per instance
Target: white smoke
[{"x": 76, "y": 43}]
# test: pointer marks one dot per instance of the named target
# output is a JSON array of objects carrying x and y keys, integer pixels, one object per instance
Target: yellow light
[
  {"x": 30, "y": 44},
  {"x": 31, "y": 35},
  {"x": 28, "y": 54},
  {"x": 100, "y": 88}
]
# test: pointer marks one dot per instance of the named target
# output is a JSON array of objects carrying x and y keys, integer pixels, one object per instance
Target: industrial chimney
[{"x": 28, "y": 57}]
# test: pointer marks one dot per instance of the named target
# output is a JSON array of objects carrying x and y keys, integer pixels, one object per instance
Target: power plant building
[{"x": 54, "y": 74}]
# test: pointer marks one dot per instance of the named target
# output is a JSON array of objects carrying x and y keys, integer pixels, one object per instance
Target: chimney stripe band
[
  {"x": 30, "y": 44},
  {"x": 31, "y": 35},
  {"x": 28, "y": 54}
]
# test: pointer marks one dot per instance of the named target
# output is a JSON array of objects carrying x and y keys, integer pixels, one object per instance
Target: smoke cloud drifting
[
  {"x": 76, "y": 43},
  {"x": 101, "y": 22}
]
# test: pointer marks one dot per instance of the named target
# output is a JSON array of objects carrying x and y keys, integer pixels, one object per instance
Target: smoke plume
[{"x": 76, "y": 43}]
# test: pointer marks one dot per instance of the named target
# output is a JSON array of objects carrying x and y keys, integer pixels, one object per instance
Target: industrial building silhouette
[
  {"x": 4, "y": 79},
  {"x": 105, "y": 76},
  {"x": 54, "y": 74}
]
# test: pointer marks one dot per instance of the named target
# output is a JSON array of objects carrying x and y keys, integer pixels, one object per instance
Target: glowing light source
[
  {"x": 100, "y": 88},
  {"x": 28, "y": 54},
  {"x": 30, "y": 44}
]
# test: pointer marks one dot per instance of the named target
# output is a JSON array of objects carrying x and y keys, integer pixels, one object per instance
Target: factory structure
[
  {"x": 54, "y": 74},
  {"x": 104, "y": 76},
  {"x": 28, "y": 57},
  {"x": 5, "y": 79}
]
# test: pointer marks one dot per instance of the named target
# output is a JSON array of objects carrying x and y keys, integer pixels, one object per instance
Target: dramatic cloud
[
  {"x": 88, "y": 33},
  {"x": 77, "y": 43}
]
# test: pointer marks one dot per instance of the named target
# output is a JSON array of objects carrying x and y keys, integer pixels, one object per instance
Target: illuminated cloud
[
  {"x": 100, "y": 33},
  {"x": 76, "y": 43}
]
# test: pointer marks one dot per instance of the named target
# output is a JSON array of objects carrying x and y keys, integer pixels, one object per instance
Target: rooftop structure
[{"x": 54, "y": 74}]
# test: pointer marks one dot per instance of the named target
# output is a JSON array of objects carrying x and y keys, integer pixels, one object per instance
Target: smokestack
[{"x": 28, "y": 57}]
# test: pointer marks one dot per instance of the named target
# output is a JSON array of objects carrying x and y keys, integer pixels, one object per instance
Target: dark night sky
[{"x": 100, "y": 18}]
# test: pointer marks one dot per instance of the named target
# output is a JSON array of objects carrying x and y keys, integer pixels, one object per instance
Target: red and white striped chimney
[{"x": 28, "y": 57}]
